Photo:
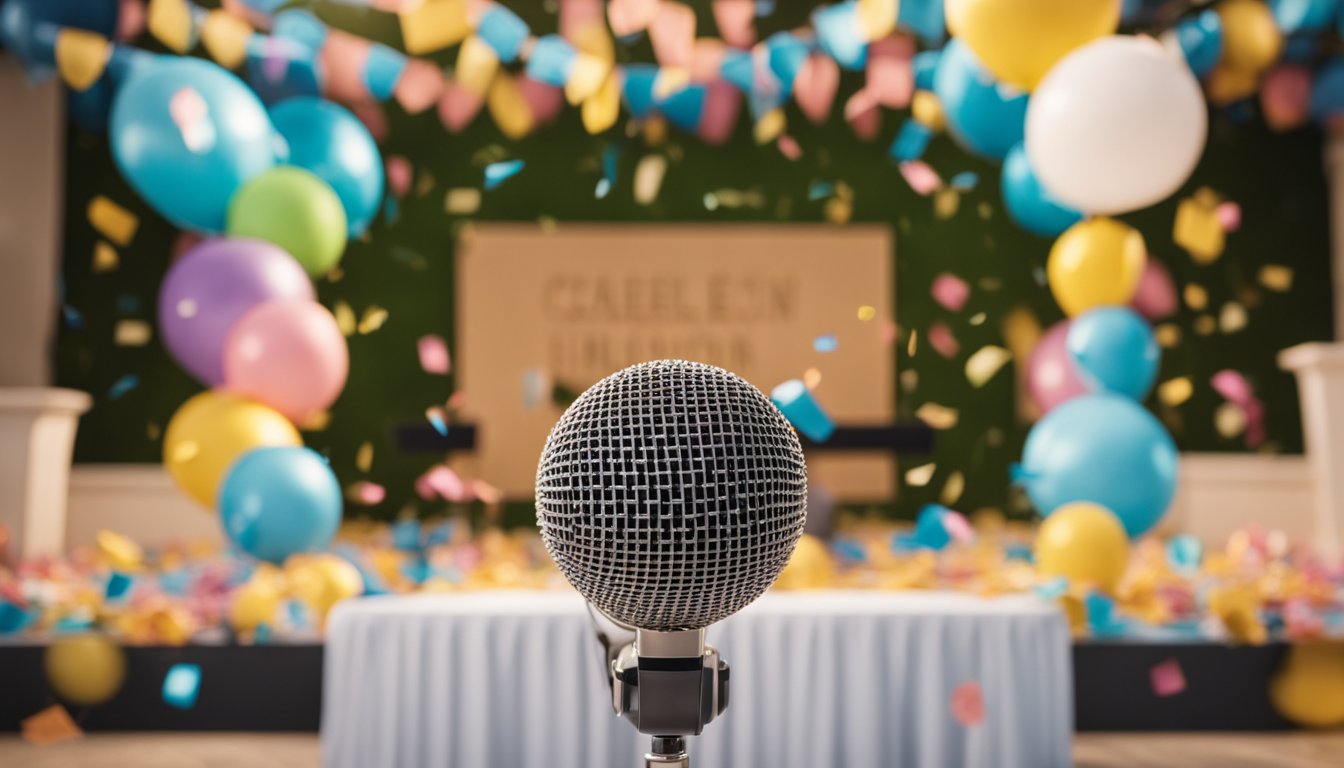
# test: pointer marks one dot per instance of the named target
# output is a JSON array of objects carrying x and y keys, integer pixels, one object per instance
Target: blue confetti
[
  {"x": 911, "y": 142},
  {"x": 406, "y": 535},
  {"x": 1185, "y": 552},
  {"x": 440, "y": 535},
  {"x": 382, "y": 70},
  {"x": 417, "y": 570},
  {"x": 128, "y": 304},
  {"x": 1018, "y": 552},
  {"x": 765, "y": 8},
  {"x": 436, "y": 420},
  {"x": 825, "y": 343},
  {"x": 925, "y": 65},
  {"x": 118, "y": 585},
  {"x": 1101, "y": 618},
  {"x": 964, "y": 181},
  {"x": 503, "y": 31},
  {"x": 73, "y": 317},
  {"x": 13, "y": 618},
  {"x": 262, "y": 634},
  {"x": 73, "y": 624},
  {"x": 930, "y": 533},
  {"x": 820, "y": 190},
  {"x": 498, "y": 173},
  {"x": 123, "y": 385},
  {"x": 848, "y": 549},
  {"x": 182, "y": 685},
  {"x": 1052, "y": 589},
  {"x": 174, "y": 582}
]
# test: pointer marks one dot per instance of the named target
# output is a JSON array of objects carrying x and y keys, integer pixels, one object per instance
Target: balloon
[
  {"x": 1307, "y": 689},
  {"x": 1102, "y": 448},
  {"x": 1200, "y": 41},
  {"x": 1294, "y": 16},
  {"x": 280, "y": 501},
  {"x": 1226, "y": 85},
  {"x": 1155, "y": 297},
  {"x": 28, "y": 27},
  {"x": 1095, "y": 262},
  {"x": 1051, "y": 376},
  {"x": 1327, "y": 93},
  {"x": 187, "y": 135},
  {"x": 1114, "y": 350},
  {"x": 1020, "y": 40},
  {"x": 1251, "y": 38},
  {"x": 255, "y": 603},
  {"x": 1116, "y": 126},
  {"x": 984, "y": 117},
  {"x": 211, "y": 287},
  {"x": 84, "y": 669},
  {"x": 323, "y": 580},
  {"x": 1030, "y": 206},
  {"x": 1084, "y": 543},
  {"x": 288, "y": 354},
  {"x": 331, "y": 142},
  {"x": 295, "y": 210},
  {"x": 210, "y": 431}
]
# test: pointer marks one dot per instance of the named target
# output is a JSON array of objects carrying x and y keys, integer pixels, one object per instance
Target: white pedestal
[
  {"x": 37, "y": 436},
  {"x": 1320, "y": 382}
]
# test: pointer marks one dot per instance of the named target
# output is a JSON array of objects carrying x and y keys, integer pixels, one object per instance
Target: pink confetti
[
  {"x": 815, "y": 86},
  {"x": 130, "y": 19},
  {"x": 735, "y": 20},
  {"x": 943, "y": 342},
  {"x": 458, "y": 107},
  {"x": 442, "y": 482},
  {"x": 191, "y": 115},
  {"x": 1155, "y": 298},
  {"x": 1285, "y": 96},
  {"x": 788, "y": 147},
  {"x": 370, "y": 113},
  {"x": 888, "y": 331},
  {"x": 950, "y": 291},
  {"x": 1232, "y": 386},
  {"x": 544, "y": 100},
  {"x": 958, "y": 527},
  {"x": 707, "y": 59},
  {"x": 1301, "y": 621},
  {"x": 419, "y": 87},
  {"x": 723, "y": 104},
  {"x": 890, "y": 76},
  {"x": 399, "y": 174},
  {"x": 364, "y": 492},
  {"x": 579, "y": 15},
  {"x": 628, "y": 17},
  {"x": 1167, "y": 678},
  {"x": 434, "y": 355},
  {"x": 921, "y": 178},
  {"x": 343, "y": 58},
  {"x": 1229, "y": 216},
  {"x": 672, "y": 34},
  {"x": 863, "y": 115},
  {"x": 968, "y": 704}
]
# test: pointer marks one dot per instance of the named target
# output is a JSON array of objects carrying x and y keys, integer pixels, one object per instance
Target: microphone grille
[{"x": 671, "y": 494}]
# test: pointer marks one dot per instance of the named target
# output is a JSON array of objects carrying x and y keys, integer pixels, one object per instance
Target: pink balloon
[
  {"x": 289, "y": 355},
  {"x": 1051, "y": 378},
  {"x": 1155, "y": 298}
]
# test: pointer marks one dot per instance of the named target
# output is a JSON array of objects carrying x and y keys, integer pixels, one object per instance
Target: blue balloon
[
  {"x": 985, "y": 117},
  {"x": 1327, "y": 91},
  {"x": 90, "y": 108},
  {"x": 1027, "y": 201},
  {"x": 1113, "y": 349},
  {"x": 278, "y": 501},
  {"x": 1105, "y": 449},
  {"x": 187, "y": 134},
  {"x": 332, "y": 143},
  {"x": 28, "y": 28},
  {"x": 1294, "y": 16},
  {"x": 1201, "y": 40}
]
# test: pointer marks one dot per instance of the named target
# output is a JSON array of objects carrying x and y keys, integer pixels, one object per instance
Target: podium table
[{"x": 475, "y": 680}]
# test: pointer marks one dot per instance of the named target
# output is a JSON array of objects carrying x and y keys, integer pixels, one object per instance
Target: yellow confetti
[
  {"x": 770, "y": 126},
  {"x": 1205, "y": 325},
  {"x": 1198, "y": 230},
  {"x": 981, "y": 366},
  {"x": 1230, "y": 420},
  {"x": 153, "y": 431},
  {"x": 649, "y": 173},
  {"x": 953, "y": 488},
  {"x": 225, "y": 37},
  {"x": 912, "y": 346},
  {"x": 937, "y": 416},
  {"x": 81, "y": 57},
  {"x": 654, "y": 128},
  {"x": 669, "y": 80},
  {"x": 601, "y": 111},
  {"x": 119, "y": 551},
  {"x": 920, "y": 476},
  {"x": 839, "y": 210},
  {"x": 928, "y": 110},
  {"x": 1196, "y": 297},
  {"x": 105, "y": 258},
  {"x": 316, "y": 422},
  {"x": 364, "y": 456},
  {"x": 345, "y": 318},
  {"x": 867, "y": 312},
  {"x": 1168, "y": 335},
  {"x": 946, "y": 201},
  {"x": 877, "y": 18},
  {"x": 112, "y": 221},
  {"x": 373, "y": 319},
  {"x": 1174, "y": 392},
  {"x": 509, "y": 109},
  {"x": 812, "y": 378},
  {"x": 1277, "y": 277},
  {"x": 978, "y": 318},
  {"x": 1238, "y": 608},
  {"x": 169, "y": 21},
  {"x": 434, "y": 25},
  {"x": 586, "y": 78},
  {"x": 462, "y": 200},
  {"x": 476, "y": 65},
  {"x": 1232, "y": 318},
  {"x": 132, "y": 333},
  {"x": 909, "y": 380}
]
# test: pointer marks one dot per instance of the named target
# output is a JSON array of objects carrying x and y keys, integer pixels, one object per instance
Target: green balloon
[{"x": 295, "y": 210}]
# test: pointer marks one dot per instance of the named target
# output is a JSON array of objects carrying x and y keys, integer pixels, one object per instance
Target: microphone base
[{"x": 668, "y": 752}]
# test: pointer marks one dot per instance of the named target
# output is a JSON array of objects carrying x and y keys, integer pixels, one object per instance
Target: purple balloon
[
  {"x": 1051, "y": 376},
  {"x": 211, "y": 287}
]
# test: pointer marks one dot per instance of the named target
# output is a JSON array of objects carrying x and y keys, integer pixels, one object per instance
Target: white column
[
  {"x": 37, "y": 436},
  {"x": 1320, "y": 383}
]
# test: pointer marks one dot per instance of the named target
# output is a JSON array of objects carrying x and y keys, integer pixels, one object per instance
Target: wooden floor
[{"x": 1295, "y": 750}]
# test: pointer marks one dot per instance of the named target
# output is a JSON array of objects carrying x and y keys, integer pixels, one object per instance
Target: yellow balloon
[
  {"x": 254, "y": 603},
  {"x": 1084, "y": 543},
  {"x": 1018, "y": 41},
  {"x": 321, "y": 581},
  {"x": 85, "y": 669},
  {"x": 1094, "y": 263},
  {"x": 1251, "y": 39},
  {"x": 1309, "y": 688},
  {"x": 1226, "y": 84},
  {"x": 210, "y": 431},
  {"x": 809, "y": 567}
]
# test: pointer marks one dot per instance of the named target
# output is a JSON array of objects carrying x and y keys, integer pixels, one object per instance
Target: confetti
[
  {"x": 649, "y": 173},
  {"x": 365, "y": 493},
  {"x": 950, "y": 291},
  {"x": 50, "y": 726},
  {"x": 937, "y": 416},
  {"x": 867, "y": 313},
  {"x": 438, "y": 418},
  {"x": 118, "y": 585},
  {"x": 373, "y": 319},
  {"x": 968, "y": 704},
  {"x": 170, "y": 22},
  {"x": 433, "y": 351},
  {"x": 81, "y": 57},
  {"x": 1185, "y": 553},
  {"x": 1229, "y": 216},
  {"x": 920, "y": 476},
  {"x": 1198, "y": 230},
  {"x": 1229, "y": 420},
  {"x": 984, "y": 363},
  {"x": 964, "y": 181},
  {"x": 943, "y": 342},
  {"x": 946, "y": 202},
  {"x": 225, "y": 37},
  {"x": 788, "y": 147},
  {"x": 364, "y": 456},
  {"x": 462, "y": 201},
  {"x": 1196, "y": 297},
  {"x": 105, "y": 258},
  {"x": 112, "y": 221},
  {"x": 952, "y": 489},
  {"x": 498, "y": 173},
  {"x": 825, "y": 343},
  {"x": 399, "y": 174},
  {"x": 182, "y": 685},
  {"x": 921, "y": 178},
  {"x": 132, "y": 333},
  {"x": 1174, "y": 392},
  {"x": 120, "y": 552},
  {"x": 1232, "y": 318},
  {"x": 1276, "y": 277},
  {"x": 1205, "y": 325},
  {"x": 122, "y": 385},
  {"x": 795, "y": 401},
  {"x": 1168, "y": 335},
  {"x": 812, "y": 378},
  {"x": 433, "y": 26}
]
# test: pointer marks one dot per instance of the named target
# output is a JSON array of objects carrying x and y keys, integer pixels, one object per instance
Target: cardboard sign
[{"x": 565, "y": 308}]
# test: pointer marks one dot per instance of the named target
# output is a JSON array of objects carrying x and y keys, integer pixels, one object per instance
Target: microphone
[{"x": 671, "y": 494}]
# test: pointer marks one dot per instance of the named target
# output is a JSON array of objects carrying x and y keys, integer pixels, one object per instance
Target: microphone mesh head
[{"x": 671, "y": 494}]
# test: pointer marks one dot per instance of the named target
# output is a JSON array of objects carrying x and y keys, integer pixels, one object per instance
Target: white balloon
[{"x": 1115, "y": 126}]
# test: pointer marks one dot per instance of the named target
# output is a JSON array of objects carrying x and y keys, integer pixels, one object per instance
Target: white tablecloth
[{"x": 819, "y": 679}]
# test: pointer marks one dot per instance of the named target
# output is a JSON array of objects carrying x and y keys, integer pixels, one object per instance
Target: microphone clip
[{"x": 669, "y": 684}]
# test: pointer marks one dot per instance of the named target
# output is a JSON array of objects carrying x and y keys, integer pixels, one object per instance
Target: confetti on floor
[
  {"x": 182, "y": 685},
  {"x": 50, "y": 726}
]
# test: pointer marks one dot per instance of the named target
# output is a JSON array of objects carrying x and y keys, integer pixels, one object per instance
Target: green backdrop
[{"x": 404, "y": 264}]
